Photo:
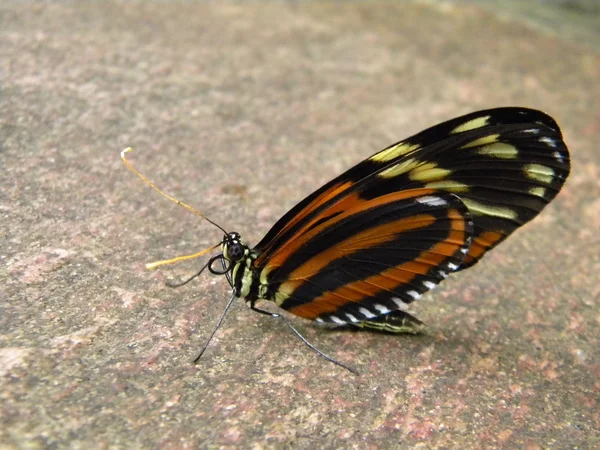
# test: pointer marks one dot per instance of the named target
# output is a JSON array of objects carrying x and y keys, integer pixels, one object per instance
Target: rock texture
[{"x": 241, "y": 109}]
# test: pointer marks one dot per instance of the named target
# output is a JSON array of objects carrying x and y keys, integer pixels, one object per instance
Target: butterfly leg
[
  {"x": 303, "y": 339},
  {"x": 394, "y": 322}
]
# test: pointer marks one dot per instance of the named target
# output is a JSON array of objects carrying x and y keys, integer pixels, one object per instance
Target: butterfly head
[
  {"x": 236, "y": 262},
  {"x": 233, "y": 248}
]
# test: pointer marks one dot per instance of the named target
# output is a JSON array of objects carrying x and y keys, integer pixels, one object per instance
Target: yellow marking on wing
[
  {"x": 448, "y": 185},
  {"x": 263, "y": 275},
  {"x": 399, "y": 169},
  {"x": 428, "y": 172},
  {"x": 281, "y": 296},
  {"x": 472, "y": 124},
  {"x": 500, "y": 150},
  {"x": 489, "y": 210},
  {"x": 482, "y": 141},
  {"x": 388, "y": 154},
  {"x": 538, "y": 191},
  {"x": 539, "y": 172}
]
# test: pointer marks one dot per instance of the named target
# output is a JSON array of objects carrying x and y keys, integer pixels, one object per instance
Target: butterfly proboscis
[{"x": 224, "y": 270}]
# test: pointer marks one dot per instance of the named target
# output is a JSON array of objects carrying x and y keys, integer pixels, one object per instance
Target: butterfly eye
[{"x": 235, "y": 251}]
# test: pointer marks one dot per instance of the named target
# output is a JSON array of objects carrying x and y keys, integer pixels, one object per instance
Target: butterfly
[{"x": 360, "y": 249}]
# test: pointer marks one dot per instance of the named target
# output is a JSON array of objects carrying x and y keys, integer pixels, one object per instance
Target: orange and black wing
[
  {"x": 505, "y": 164},
  {"x": 370, "y": 259}
]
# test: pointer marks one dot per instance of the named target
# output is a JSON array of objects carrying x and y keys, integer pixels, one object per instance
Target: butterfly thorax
[{"x": 244, "y": 277}]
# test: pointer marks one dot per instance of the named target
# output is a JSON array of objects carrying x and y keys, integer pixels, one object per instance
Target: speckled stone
[{"x": 241, "y": 109}]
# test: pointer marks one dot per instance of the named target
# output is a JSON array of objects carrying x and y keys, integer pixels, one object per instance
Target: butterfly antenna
[
  {"x": 164, "y": 194},
  {"x": 216, "y": 328}
]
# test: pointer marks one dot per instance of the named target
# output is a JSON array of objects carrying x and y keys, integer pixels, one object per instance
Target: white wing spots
[
  {"x": 337, "y": 320},
  {"x": 399, "y": 303},
  {"x": 414, "y": 294},
  {"x": 452, "y": 266},
  {"x": 442, "y": 274},
  {"x": 538, "y": 172},
  {"x": 472, "y": 124},
  {"x": 538, "y": 191},
  {"x": 431, "y": 200},
  {"x": 465, "y": 250},
  {"x": 482, "y": 141},
  {"x": 399, "y": 169},
  {"x": 428, "y": 171},
  {"x": 489, "y": 210},
  {"x": 365, "y": 312},
  {"x": 548, "y": 141},
  {"x": 499, "y": 150},
  {"x": 532, "y": 131},
  {"x": 558, "y": 156},
  {"x": 318, "y": 319},
  {"x": 382, "y": 309},
  {"x": 352, "y": 318},
  {"x": 448, "y": 185},
  {"x": 429, "y": 284},
  {"x": 393, "y": 152}
]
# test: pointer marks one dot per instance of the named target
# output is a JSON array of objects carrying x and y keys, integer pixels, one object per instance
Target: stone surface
[{"x": 241, "y": 109}]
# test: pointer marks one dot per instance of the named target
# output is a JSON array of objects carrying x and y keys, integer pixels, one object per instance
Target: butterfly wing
[
  {"x": 370, "y": 259},
  {"x": 505, "y": 164}
]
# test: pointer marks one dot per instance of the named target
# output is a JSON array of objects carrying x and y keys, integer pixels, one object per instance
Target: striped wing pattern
[
  {"x": 392, "y": 227},
  {"x": 505, "y": 164},
  {"x": 370, "y": 259}
]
